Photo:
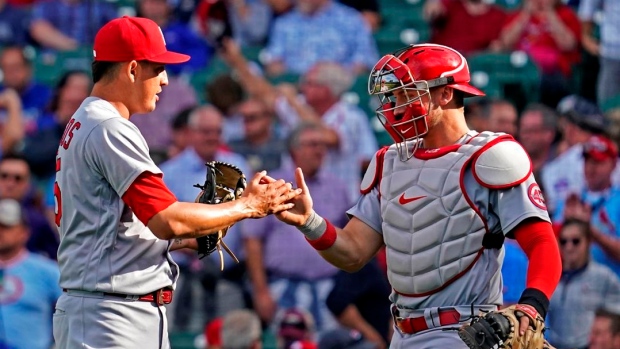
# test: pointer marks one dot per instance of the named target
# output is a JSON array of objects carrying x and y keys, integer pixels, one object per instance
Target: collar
[{"x": 569, "y": 274}]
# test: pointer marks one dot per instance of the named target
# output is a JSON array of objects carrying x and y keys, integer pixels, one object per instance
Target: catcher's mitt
[
  {"x": 500, "y": 329},
  {"x": 224, "y": 182}
]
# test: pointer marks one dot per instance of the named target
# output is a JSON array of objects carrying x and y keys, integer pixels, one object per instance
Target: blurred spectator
[
  {"x": 241, "y": 329},
  {"x": 155, "y": 126},
  {"x": 537, "y": 131},
  {"x": 13, "y": 24},
  {"x": 598, "y": 202},
  {"x": 345, "y": 38},
  {"x": 278, "y": 259},
  {"x": 605, "y": 332},
  {"x": 250, "y": 20},
  {"x": 180, "y": 173},
  {"x": 501, "y": 116},
  {"x": 16, "y": 184},
  {"x": 225, "y": 93},
  {"x": 360, "y": 301},
  {"x": 342, "y": 338},
  {"x": 468, "y": 26},
  {"x": 580, "y": 119},
  {"x": 549, "y": 32},
  {"x": 28, "y": 285},
  {"x": 584, "y": 287},
  {"x": 295, "y": 329},
  {"x": 178, "y": 35},
  {"x": 369, "y": 10},
  {"x": 65, "y": 25},
  {"x": 261, "y": 146},
  {"x": 213, "y": 333},
  {"x": 607, "y": 47},
  {"x": 17, "y": 70},
  {"x": 473, "y": 113},
  {"x": 40, "y": 147},
  {"x": 180, "y": 133},
  {"x": 12, "y": 128},
  {"x": 350, "y": 140}
]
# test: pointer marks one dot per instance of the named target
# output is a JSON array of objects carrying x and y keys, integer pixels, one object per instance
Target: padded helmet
[{"x": 416, "y": 69}]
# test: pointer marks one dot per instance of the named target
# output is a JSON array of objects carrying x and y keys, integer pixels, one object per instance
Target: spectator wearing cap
[
  {"x": 213, "y": 333},
  {"x": 598, "y": 202},
  {"x": 580, "y": 119},
  {"x": 342, "y": 338},
  {"x": 585, "y": 285},
  {"x": 295, "y": 329},
  {"x": 28, "y": 284}
]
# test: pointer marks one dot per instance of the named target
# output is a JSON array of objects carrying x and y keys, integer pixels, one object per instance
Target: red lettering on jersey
[{"x": 68, "y": 134}]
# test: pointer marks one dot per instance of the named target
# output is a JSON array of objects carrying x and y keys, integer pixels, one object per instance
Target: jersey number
[{"x": 57, "y": 198}]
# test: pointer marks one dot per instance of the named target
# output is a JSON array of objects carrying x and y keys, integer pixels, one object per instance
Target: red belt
[
  {"x": 160, "y": 297},
  {"x": 416, "y": 324}
]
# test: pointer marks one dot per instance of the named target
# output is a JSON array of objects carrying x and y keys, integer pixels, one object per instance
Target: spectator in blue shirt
[
  {"x": 13, "y": 25},
  {"x": 29, "y": 285},
  {"x": 64, "y": 25},
  {"x": 320, "y": 31},
  {"x": 17, "y": 70},
  {"x": 178, "y": 35}
]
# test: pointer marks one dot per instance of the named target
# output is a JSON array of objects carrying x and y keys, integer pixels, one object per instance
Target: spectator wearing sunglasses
[
  {"x": 16, "y": 184},
  {"x": 598, "y": 202},
  {"x": 584, "y": 287}
]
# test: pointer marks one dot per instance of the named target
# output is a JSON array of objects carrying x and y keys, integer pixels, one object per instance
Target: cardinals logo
[{"x": 536, "y": 196}]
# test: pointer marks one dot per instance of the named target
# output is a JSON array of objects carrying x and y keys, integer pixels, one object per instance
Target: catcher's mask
[{"x": 402, "y": 81}]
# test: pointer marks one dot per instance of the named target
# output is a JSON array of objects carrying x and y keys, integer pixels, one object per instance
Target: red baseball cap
[
  {"x": 600, "y": 148},
  {"x": 133, "y": 38}
]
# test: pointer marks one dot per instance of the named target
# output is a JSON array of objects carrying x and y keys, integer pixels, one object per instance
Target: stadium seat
[{"x": 611, "y": 104}]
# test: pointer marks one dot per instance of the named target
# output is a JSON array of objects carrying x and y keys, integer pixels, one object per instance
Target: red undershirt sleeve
[
  {"x": 539, "y": 243},
  {"x": 148, "y": 195}
]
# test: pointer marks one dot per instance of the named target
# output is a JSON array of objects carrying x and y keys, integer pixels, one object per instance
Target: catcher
[{"x": 442, "y": 199}]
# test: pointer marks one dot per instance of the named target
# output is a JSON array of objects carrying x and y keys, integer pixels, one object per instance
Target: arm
[
  {"x": 588, "y": 41},
  {"x": 45, "y": 34},
  {"x": 255, "y": 85},
  {"x": 561, "y": 33},
  {"x": 263, "y": 302},
  {"x": 13, "y": 128},
  {"x": 349, "y": 248},
  {"x": 609, "y": 244},
  {"x": 352, "y": 318},
  {"x": 510, "y": 34}
]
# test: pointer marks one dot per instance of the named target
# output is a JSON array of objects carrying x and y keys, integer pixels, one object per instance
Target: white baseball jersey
[
  {"x": 104, "y": 247},
  {"x": 499, "y": 193}
]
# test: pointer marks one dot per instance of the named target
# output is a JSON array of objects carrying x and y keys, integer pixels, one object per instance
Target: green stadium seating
[
  {"x": 611, "y": 104},
  {"x": 50, "y": 66}
]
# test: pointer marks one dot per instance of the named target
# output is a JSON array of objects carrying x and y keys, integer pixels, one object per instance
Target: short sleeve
[
  {"x": 118, "y": 152},
  {"x": 368, "y": 210},
  {"x": 518, "y": 203}
]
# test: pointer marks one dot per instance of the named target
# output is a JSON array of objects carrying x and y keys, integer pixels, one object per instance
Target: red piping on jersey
[
  {"x": 427, "y": 154},
  {"x": 486, "y": 147},
  {"x": 538, "y": 241},
  {"x": 380, "y": 157},
  {"x": 486, "y": 228},
  {"x": 147, "y": 196}
]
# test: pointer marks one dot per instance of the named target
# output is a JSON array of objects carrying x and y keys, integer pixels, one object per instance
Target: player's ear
[
  {"x": 130, "y": 70},
  {"x": 445, "y": 96}
]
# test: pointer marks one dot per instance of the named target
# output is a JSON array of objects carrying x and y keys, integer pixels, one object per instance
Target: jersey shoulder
[
  {"x": 372, "y": 177},
  {"x": 502, "y": 163}
]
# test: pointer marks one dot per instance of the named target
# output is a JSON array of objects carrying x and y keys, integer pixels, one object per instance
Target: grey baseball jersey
[{"x": 104, "y": 247}]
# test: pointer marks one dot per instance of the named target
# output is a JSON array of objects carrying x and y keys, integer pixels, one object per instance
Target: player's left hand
[{"x": 298, "y": 215}]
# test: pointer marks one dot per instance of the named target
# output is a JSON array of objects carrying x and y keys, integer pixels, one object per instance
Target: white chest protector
[{"x": 432, "y": 229}]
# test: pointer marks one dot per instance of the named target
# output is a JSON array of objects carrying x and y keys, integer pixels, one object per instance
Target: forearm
[
  {"x": 255, "y": 85},
  {"x": 609, "y": 244},
  {"x": 185, "y": 220},
  {"x": 562, "y": 36},
  {"x": 178, "y": 244},
  {"x": 511, "y": 35},
  {"x": 48, "y": 36},
  {"x": 255, "y": 266},
  {"x": 352, "y": 318}
]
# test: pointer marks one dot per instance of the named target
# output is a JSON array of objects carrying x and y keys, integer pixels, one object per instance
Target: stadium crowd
[{"x": 278, "y": 84}]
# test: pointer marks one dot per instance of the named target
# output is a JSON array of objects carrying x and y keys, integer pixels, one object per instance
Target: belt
[
  {"x": 411, "y": 325},
  {"x": 160, "y": 297}
]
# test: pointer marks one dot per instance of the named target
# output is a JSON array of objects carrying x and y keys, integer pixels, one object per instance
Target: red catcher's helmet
[{"x": 416, "y": 69}]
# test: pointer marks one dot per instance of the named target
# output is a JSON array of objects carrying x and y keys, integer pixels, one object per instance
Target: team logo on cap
[{"x": 536, "y": 196}]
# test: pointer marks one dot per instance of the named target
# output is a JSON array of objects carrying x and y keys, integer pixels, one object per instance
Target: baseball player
[
  {"x": 118, "y": 222},
  {"x": 442, "y": 199}
]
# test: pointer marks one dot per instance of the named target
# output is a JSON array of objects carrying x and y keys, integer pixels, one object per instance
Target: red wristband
[{"x": 326, "y": 240}]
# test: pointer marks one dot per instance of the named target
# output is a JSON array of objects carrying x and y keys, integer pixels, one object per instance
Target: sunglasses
[
  {"x": 575, "y": 241},
  {"x": 16, "y": 177}
]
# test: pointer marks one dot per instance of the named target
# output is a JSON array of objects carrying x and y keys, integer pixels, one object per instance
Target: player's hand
[
  {"x": 264, "y": 196},
  {"x": 302, "y": 209},
  {"x": 524, "y": 323}
]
